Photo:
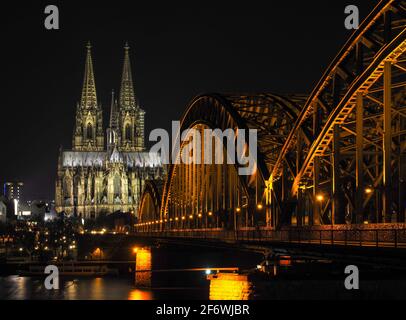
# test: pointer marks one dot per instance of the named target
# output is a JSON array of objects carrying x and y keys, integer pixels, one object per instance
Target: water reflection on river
[
  {"x": 27, "y": 288},
  {"x": 143, "y": 285},
  {"x": 283, "y": 277}
]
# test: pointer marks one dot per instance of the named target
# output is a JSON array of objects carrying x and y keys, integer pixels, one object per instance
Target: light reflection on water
[
  {"x": 143, "y": 262},
  {"x": 140, "y": 294},
  {"x": 279, "y": 277},
  {"x": 138, "y": 286},
  {"x": 24, "y": 288}
]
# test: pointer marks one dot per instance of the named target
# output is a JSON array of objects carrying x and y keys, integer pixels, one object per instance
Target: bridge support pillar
[
  {"x": 359, "y": 171},
  {"x": 299, "y": 198},
  {"x": 402, "y": 174},
  {"x": 317, "y": 205},
  {"x": 387, "y": 142},
  {"x": 337, "y": 212}
]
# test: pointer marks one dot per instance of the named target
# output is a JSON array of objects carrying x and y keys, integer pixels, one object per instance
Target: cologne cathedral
[{"x": 100, "y": 178}]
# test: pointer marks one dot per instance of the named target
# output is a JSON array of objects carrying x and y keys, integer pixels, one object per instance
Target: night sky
[{"x": 177, "y": 53}]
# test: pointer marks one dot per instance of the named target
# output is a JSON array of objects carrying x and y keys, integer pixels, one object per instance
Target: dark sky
[{"x": 177, "y": 53}]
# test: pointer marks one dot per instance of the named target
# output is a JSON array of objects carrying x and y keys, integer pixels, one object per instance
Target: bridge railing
[{"x": 362, "y": 237}]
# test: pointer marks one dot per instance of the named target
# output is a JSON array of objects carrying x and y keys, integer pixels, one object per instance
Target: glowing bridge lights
[{"x": 320, "y": 197}]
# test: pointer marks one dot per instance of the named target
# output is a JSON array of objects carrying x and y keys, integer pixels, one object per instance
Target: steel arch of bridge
[
  {"x": 357, "y": 105},
  {"x": 151, "y": 202},
  {"x": 337, "y": 156},
  {"x": 272, "y": 116}
]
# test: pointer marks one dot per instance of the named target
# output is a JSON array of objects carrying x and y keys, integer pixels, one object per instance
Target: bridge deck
[{"x": 379, "y": 238}]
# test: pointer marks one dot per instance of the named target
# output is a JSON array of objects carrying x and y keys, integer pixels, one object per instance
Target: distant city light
[
  {"x": 208, "y": 271},
  {"x": 15, "y": 207}
]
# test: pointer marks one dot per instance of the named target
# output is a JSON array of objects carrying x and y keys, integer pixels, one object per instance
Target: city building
[
  {"x": 13, "y": 190},
  {"x": 3, "y": 212},
  {"x": 94, "y": 177}
]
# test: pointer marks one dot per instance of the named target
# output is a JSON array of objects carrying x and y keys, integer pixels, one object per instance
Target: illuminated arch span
[
  {"x": 338, "y": 155},
  {"x": 271, "y": 115},
  {"x": 354, "y": 77},
  {"x": 149, "y": 209},
  {"x": 346, "y": 113}
]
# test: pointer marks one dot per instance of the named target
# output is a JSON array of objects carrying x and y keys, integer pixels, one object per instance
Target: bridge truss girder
[
  {"x": 352, "y": 170},
  {"x": 337, "y": 156}
]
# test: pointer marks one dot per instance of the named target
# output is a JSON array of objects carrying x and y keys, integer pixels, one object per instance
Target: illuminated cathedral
[{"x": 100, "y": 178}]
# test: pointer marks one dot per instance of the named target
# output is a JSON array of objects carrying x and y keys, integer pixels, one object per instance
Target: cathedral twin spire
[
  {"x": 89, "y": 96},
  {"x": 126, "y": 127},
  {"x": 127, "y": 96}
]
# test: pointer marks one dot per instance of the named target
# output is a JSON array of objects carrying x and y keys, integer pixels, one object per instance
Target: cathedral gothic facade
[{"x": 98, "y": 177}]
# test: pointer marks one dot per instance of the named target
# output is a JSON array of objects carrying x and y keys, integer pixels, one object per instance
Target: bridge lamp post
[
  {"x": 320, "y": 200},
  {"x": 237, "y": 211},
  {"x": 183, "y": 221},
  {"x": 199, "y": 224},
  {"x": 210, "y": 214},
  {"x": 369, "y": 190},
  {"x": 260, "y": 206}
]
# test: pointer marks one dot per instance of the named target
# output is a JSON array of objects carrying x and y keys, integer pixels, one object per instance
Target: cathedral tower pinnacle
[
  {"x": 131, "y": 119},
  {"x": 113, "y": 131},
  {"x": 89, "y": 97},
  {"x": 127, "y": 95},
  {"x": 88, "y": 134}
]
